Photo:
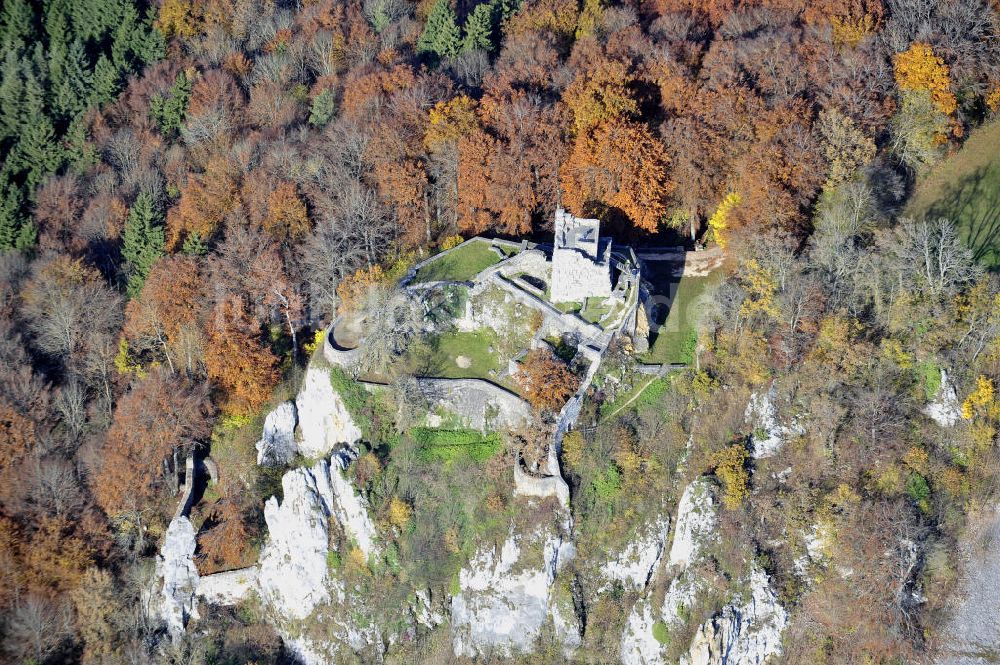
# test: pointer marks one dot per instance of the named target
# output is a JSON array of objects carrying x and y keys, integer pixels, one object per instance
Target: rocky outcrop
[
  {"x": 277, "y": 444},
  {"x": 944, "y": 409},
  {"x": 348, "y": 506},
  {"x": 324, "y": 421},
  {"x": 480, "y": 404},
  {"x": 505, "y": 599},
  {"x": 639, "y": 645},
  {"x": 175, "y": 566},
  {"x": 540, "y": 486},
  {"x": 293, "y": 564},
  {"x": 746, "y": 632},
  {"x": 228, "y": 588},
  {"x": 637, "y": 562},
  {"x": 769, "y": 433},
  {"x": 695, "y": 524},
  {"x": 694, "y": 528}
]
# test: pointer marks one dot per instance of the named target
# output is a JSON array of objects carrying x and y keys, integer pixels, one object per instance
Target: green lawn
[
  {"x": 461, "y": 264},
  {"x": 439, "y": 356},
  {"x": 595, "y": 309},
  {"x": 676, "y": 338},
  {"x": 966, "y": 189}
]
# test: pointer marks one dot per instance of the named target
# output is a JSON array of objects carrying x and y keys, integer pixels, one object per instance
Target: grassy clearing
[
  {"x": 451, "y": 445},
  {"x": 966, "y": 189},
  {"x": 595, "y": 309},
  {"x": 461, "y": 264},
  {"x": 677, "y": 337},
  {"x": 646, "y": 393},
  {"x": 438, "y": 356}
]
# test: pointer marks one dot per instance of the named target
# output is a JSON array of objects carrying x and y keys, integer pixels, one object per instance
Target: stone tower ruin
[{"x": 581, "y": 266}]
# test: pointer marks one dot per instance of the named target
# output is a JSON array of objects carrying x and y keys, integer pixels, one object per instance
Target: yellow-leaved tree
[{"x": 918, "y": 68}]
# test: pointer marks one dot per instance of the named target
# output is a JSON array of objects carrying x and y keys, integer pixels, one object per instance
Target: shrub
[
  {"x": 661, "y": 632},
  {"x": 607, "y": 485},
  {"x": 730, "y": 469},
  {"x": 356, "y": 399}
]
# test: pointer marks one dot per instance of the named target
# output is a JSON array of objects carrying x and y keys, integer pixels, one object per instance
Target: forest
[{"x": 190, "y": 188}]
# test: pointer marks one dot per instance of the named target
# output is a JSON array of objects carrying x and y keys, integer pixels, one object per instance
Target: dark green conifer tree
[
  {"x": 441, "y": 35},
  {"x": 170, "y": 110},
  {"x": 142, "y": 242},
  {"x": 479, "y": 29},
  {"x": 323, "y": 108}
]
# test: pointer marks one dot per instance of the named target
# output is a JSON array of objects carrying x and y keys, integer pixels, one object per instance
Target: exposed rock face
[
  {"x": 175, "y": 566},
  {"x": 769, "y": 434},
  {"x": 637, "y": 562},
  {"x": 481, "y": 404},
  {"x": 639, "y": 647},
  {"x": 277, "y": 444},
  {"x": 228, "y": 588},
  {"x": 505, "y": 601},
  {"x": 293, "y": 564},
  {"x": 747, "y": 632},
  {"x": 348, "y": 506},
  {"x": 695, "y": 523},
  {"x": 694, "y": 527},
  {"x": 323, "y": 419},
  {"x": 945, "y": 409}
]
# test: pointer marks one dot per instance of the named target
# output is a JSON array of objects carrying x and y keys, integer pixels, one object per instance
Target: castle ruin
[{"x": 581, "y": 265}]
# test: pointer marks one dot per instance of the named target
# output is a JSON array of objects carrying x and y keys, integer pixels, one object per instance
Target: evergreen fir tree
[
  {"x": 479, "y": 29},
  {"x": 323, "y": 107},
  {"x": 80, "y": 152},
  {"x": 57, "y": 28},
  {"x": 11, "y": 96},
  {"x": 106, "y": 81},
  {"x": 142, "y": 242},
  {"x": 441, "y": 35},
  {"x": 38, "y": 153},
  {"x": 170, "y": 110},
  {"x": 76, "y": 85},
  {"x": 193, "y": 246},
  {"x": 18, "y": 24},
  {"x": 27, "y": 236},
  {"x": 93, "y": 19},
  {"x": 10, "y": 214},
  {"x": 33, "y": 91}
]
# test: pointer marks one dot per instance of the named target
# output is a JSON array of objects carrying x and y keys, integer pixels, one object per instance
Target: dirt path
[{"x": 972, "y": 636}]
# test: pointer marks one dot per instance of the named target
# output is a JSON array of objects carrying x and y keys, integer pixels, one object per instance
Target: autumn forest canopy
[{"x": 189, "y": 189}]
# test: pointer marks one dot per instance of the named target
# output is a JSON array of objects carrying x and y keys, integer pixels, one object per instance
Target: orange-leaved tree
[
  {"x": 353, "y": 289},
  {"x": 287, "y": 217},
  {"x": 236, "y": 361},
  {"x": 546, "y": 380},
  {"x": 166, "y": 313},
  {"x": 622, "y": 165},
  {"x": 205, "y": 201},
  {"x": 161, "y": 415}
]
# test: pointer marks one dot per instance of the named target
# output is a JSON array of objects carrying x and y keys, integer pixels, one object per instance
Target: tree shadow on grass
[{"x": 973, "y": 204}]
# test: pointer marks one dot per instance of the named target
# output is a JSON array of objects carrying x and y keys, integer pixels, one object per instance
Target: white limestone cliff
[
  {"x": 746, "y": 632},
  {"x": 349, "y": 507},
  {"x": 324, "y": 421},
  {"x": 504, "y": 601},
  {"x": 293, "y": 564},
  {"x": 945, "y": 408},
  {"x": 277, "y": 445},
  {"x": 634, "y": 566},
  {"x": 695, "y": 523},
  {"x": 175, "y": 566},
  {"x": 769, "y": 433}
]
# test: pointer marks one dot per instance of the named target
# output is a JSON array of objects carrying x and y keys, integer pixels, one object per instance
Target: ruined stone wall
[{"x": 576, "y": 277}]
